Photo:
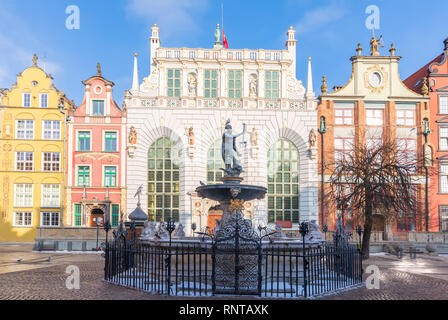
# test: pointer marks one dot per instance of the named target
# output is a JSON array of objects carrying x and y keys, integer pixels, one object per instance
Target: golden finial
[
  {"x": 324, "y": 88},
  {"x": 35, "y": 60},
  {"x": 98, "y": 68},
  {"x": 392, "y": 49},
  {"x": 135, "y": 54},
  {"x": 359, "y": 49},
  {"x": 425, "y": 89}
]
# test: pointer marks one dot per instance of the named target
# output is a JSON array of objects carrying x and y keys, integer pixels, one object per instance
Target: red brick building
[
  {"x": 432, "y": 80},
  {"x": 373, "y": 106},
  {"x": 96, "y": 156}
]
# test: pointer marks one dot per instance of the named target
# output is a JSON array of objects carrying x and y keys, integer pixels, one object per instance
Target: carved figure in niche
[
  {"x": 190, "y": 136},
  {"x": 192, "y": 83},
  {"x": 253, "y": 86},
  {"x": 254, "y": 137},
  {"x": 312, "y": 138},
  {"x": 133, "y": 135}
]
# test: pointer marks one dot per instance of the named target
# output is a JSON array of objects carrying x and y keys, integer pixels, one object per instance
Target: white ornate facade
[{"x": 187, "y": 98}]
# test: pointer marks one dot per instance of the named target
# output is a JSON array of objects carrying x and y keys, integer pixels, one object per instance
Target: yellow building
[{"x": 32, "y": 155}]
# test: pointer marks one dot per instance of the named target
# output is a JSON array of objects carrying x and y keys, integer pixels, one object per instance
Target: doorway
[{"x": 96, "y": 215}]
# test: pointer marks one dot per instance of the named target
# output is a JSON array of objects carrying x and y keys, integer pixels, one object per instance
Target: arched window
[
  {"x": 214, "y": 162},
  {"x": 163, "y": 181},
  {"x": 283, "y": 182}
]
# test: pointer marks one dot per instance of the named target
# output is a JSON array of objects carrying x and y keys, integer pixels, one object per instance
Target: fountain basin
[{"x": 226, "y": 192}]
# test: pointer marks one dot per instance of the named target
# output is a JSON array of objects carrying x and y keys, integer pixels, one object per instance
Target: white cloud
[
  {"x": 319, "y": 18},
  {"x": 172, "y": 16}
]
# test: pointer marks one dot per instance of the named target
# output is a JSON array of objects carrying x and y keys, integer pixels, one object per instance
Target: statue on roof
[
  {"x": 35, "y": 60},
  {"x": 98, "y": 68},
  {"x": 217, "y": 35},
  {"x": 374, "y": 43}
]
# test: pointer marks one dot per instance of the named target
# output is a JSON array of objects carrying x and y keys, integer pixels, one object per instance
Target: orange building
[
  {"x": 432, "y": 80},
  {"x": 373, "y": 106}
]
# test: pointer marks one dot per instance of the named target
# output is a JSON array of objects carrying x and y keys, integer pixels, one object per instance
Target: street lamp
[
  {"x": 426, "y": 133},
  {"x": 322, "y": 130},
  {"x": 359, "y": 232}
]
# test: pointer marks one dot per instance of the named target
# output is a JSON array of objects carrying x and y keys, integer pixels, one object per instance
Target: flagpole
[{"x": 222, "y": 16}]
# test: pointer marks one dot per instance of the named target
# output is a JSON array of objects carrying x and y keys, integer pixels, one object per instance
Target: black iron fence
[{"x": 205, "y": 268}]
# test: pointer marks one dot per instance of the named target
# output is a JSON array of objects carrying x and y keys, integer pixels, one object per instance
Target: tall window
[
  {"x": 406, "y": 220},
  {"x": 24, "y": 161},
  {"x": 51, "y": 130},
  {"x": 26, "y": 99},
  {"x": 405, "y": 117},
  {"x": 51, "y": 161},
  {"x": 343, "y": 148},
  {"x": 77, "y": 215},
  {"x": 344, "y": 208},
  {"x": 23, "y": 195},
  {"x": 407, "y": 152},
  {"x": 25, "y": 129},
  {"x": 49, "y": 219},
  {"x": 343, "y": 116},
  {"x": 83, "y": 176},
  {"x": 443, "y": 104},
  {"x": 110, "y": 176},
  {"x": 44, "y": 100},
  {"x": 443, "y": 177},
  {"x": 98, "y": 107},
  {"x": 110, "y": 142},
  {"x": 443, "y": 138},
  {"x": 211, "y": 83},
  {"x": 174, "y": 83},
  {"x": 51, "y": 196},
  {"x": 374, "y": 117},
  {"x": 23, "y": 219},
  {"x": 84, "y": 141},
  {"x": 163, "y": 181},
  {"x": 271, "y": 84},
  {"x": 214, "y": 162},
  {"x": 443, "y": 219},
  {"x": 283, "y": 182},
  {"x": 115, "y": 215},
  {"x": 235, "y": 83}
]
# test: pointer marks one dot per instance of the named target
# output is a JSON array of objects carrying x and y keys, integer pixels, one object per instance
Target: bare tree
[{"x": 374, "y": 175}]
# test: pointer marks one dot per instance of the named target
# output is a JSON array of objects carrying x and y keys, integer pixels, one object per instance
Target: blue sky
[{"x": 111, "y": 31}]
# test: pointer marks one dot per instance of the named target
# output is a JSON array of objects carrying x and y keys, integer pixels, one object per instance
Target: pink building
[{"x": 96, "y": 157}]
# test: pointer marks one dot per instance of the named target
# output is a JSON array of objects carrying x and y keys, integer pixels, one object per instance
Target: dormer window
[{"x": 98, "y": 107}]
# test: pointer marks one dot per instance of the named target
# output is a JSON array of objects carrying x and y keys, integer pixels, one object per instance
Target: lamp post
[
  {"x": 322, "y": 130},
  {"x": 359, "y": 232},
  {"x": 170, "y": 226},
  {"x": 325, "y": 230},
  {"x": 426, "y": 133}
]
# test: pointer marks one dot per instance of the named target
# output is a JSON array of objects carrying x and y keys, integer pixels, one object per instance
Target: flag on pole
[{"x": 224, "y": 40}]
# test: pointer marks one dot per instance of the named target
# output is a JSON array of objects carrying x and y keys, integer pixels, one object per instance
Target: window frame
[
  {"x": 41, "y": 95},
  {"x": 443, "y": 126},
  {"x": 445, "y": 220},
  {"x": 14, "y": 222},
  {"x": 93, "y": 103},
  {"x": 105, "y": 178},
  {"x": 25, "y": 161},
  {"x": 105, "y": 133},
  {"x": 344, "y": 150},
  {"x": 440, "y": 103},
  {"x": 343, "y": 117},
  {"x": 89, "y": 176},
  {"x": 176, "y": 90},
  {"x": 26, "y": 121},
  {"x": 374, "y": 110},
  {"x": 50, "y": 193},
  {"x": 24, "y": 94},
  {"x": 51, "y": 162},
  {"x": 31, "y": 201},
  {"x": 405, "y": 118},
  {"x": 51, "y": 213},
  {"x": 268, "y": 92},
  {"x": 233, "y": 89},
  {"x": 212, "y": 93},
  {"x": 52, "y": 130},
  {"x": 78, "y": 141}
]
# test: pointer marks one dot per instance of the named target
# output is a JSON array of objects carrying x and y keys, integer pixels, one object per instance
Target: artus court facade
[{"x": 176, "y": 117}]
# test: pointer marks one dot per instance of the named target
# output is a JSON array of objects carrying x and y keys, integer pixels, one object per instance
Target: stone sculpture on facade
[
  {"x": 314, "y": 233},
  {"x": 228, "y": 149},
  {"x": 149, "y": 231},
  {"x": 192, "y": 84},
  {"x": 132, "y": 139},
  {"x": 179, "y": 232},
  {"x": 253, "y": 86},
  {"x": 162, "y": 233}
]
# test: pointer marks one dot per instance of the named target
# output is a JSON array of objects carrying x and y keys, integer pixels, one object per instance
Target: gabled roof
[{"x": 414, "y": 82}]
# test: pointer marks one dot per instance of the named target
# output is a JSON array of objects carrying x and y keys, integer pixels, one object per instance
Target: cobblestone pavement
[{"x": 36, "y": 278}]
